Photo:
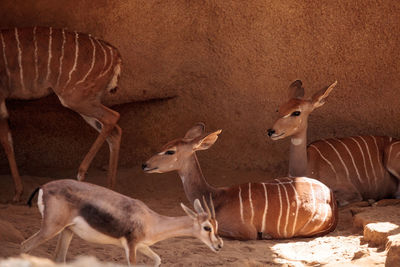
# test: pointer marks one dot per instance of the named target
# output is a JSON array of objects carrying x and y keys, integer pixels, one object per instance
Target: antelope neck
[
  {"x": 194, "y": 183},
  {"x": 298, "y": 154},
  {"x": 166, "y": 227}
]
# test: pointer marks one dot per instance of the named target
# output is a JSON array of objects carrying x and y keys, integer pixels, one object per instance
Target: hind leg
[
  {"x": 47, "y": 232},
  {"x": 6, "y": 142},
  {"x": 63, "y": 244}
]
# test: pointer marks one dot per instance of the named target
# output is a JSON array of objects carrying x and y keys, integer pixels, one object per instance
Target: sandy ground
[{"x": 163, "y": 192}]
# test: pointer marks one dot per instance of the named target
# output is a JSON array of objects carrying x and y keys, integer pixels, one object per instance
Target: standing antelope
[
  {"x": 355, "y": 168},
  {"x": 77, "y": 67},
  {"x": 99, "y": 215},
  {"x": 283, "y": 208}
]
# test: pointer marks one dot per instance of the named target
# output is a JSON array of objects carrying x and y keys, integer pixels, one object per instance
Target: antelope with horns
[
  {"x": 355, "y": 168},
  {"x": 78, "y": 68},
  {"x": 100, "y": 215},
  {"x": 283, "y": 208}
]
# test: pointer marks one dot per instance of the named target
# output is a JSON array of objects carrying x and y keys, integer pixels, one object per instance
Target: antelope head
[
  {"x": 205, "y": 226},
  {"x": 175, "y": 153},
  {"x": 293, "y": 114}
]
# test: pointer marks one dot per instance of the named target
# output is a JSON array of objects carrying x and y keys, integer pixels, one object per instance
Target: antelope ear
[
  {"x": 197, "y": 206},
  {"x": 319, "y": 98},
  {"x": 296, "y": 90},
  {"x": 189, "y": 212},
  {"x": 206, "y": 142},
  {"x": 195, "y": 131}
]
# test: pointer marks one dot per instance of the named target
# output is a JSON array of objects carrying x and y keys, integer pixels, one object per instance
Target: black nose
[
  {"x": 219, "y": 246},
  {"x": 270, "y": 132},
  {"x": 144, "y": 166}
]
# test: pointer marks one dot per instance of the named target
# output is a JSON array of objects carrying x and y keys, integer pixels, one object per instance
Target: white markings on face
[
  {"x": 241, "y": 205},
  {"x": 40, "y": 202},
  {"x": 21, "y": 70},
  {"x": 49, "y": 54},
  {"x": 61, "y": 58},
  {"x": 5, "y": 59}
]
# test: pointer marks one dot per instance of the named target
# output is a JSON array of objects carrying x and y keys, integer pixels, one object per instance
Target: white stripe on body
[
  {"x": 326, "y": 207},
  {"x": 111, "y": 62},
  {"x": 241, "y": 204},
  {"x": 92, "y": 64},
  {"x": 104, "y": 53},
  {"x": 265, "y": 208},
  {"x": 5, "y": 59},
  {"x": 75, "y": 59},
  {"x": 297, "y": 209},
  {"x": 326, "y": 160},
  {"x": 351, "y": 157},
  {"x": 21, "y": 69},
  {"x": 378, "y": 157},
  {"x": 251, "y": 205},
  {"x": 288, "y": 209},
  {"x": 35, "y": 45},
  {"x": 370, "y": 160},
  {"x": 280, "y": 211},
  {"x": 61, "y": 58},
  {"x": 364, "y": 161},
  {"x": 49, "y": 54},
  {"x": 314, "y": 206}
]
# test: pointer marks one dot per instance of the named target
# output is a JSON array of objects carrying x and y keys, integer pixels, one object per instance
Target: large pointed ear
[
  {"x": 189, "y": 212},
  {"x": 296, "y": 90},
  {"x": 197, "y": 206},
  {"x": 206, "y": 142},
  {"x": 195, "y": 131},
  {"x": 319, "y": 98}
]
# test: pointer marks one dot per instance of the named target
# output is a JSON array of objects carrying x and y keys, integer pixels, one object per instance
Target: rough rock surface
[{"x": 381, "y": 228}]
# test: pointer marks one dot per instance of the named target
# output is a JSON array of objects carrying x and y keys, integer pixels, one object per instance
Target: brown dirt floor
[{"x": 163, "y": 192}]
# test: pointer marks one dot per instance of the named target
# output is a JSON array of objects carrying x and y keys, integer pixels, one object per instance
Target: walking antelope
[
  {"x": 355, "y": 168},
  {"x": 99, "y": 215},
  {"x": 77, "y": 67},
  {"x": 282, "y": 208}
]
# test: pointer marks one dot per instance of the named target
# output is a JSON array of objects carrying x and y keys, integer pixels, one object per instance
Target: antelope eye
[
  {"x": 207, "y": 228},
  {"x": 169, "y": 152},
  {"x": 295, "y": 113}
]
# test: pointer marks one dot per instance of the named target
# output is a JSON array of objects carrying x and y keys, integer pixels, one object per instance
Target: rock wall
[{"x": 229, "y": 63}]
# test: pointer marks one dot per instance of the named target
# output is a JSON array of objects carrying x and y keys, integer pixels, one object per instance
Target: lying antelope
[
  {"x": 99, "y": 215},
  {"x": 355, "y": 168},
  {"x": 282, "y": 208},
  {"x": 78, "y": 68}
]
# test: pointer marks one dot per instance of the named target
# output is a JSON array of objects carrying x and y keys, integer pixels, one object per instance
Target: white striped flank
[
  {"x": 287, "y": 210},
  {"x": 5, "y": 59},
  {"x": 296, "y": 196},
  {"x": 326, "y": 160},
  {"x": 313, "y": 208},
  {"x": 378, "y": 157},
  {"x": 104, "y": 53},
  {"x": 21, "y": 70},
  {"x": 364, "y": 161},
  {"x": 241, "y": 204},
  {"x": 278, "y": 224},
  {"x": 75, "y": 60},
  {"x": 265, "y": 208},
  {"x": 35, "y": 45},
  {"x": 61, "y": 58},
  {"x": 390, "y": 150},
  {"x": 370, "y": 160},
  {"x": 49, "y": 53},
  {"x": 326, "y": 207},
  {"x": 351, "y": 157},
  {"x": 341, "y": 160},
  {"x": 251, "y": 205},
  {"x": 111, "y": 61},
  {"x": 92, "y": 64}
]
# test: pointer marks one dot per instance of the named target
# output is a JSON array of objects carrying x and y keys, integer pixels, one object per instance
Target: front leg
[{"x": 146, "y": 250}]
